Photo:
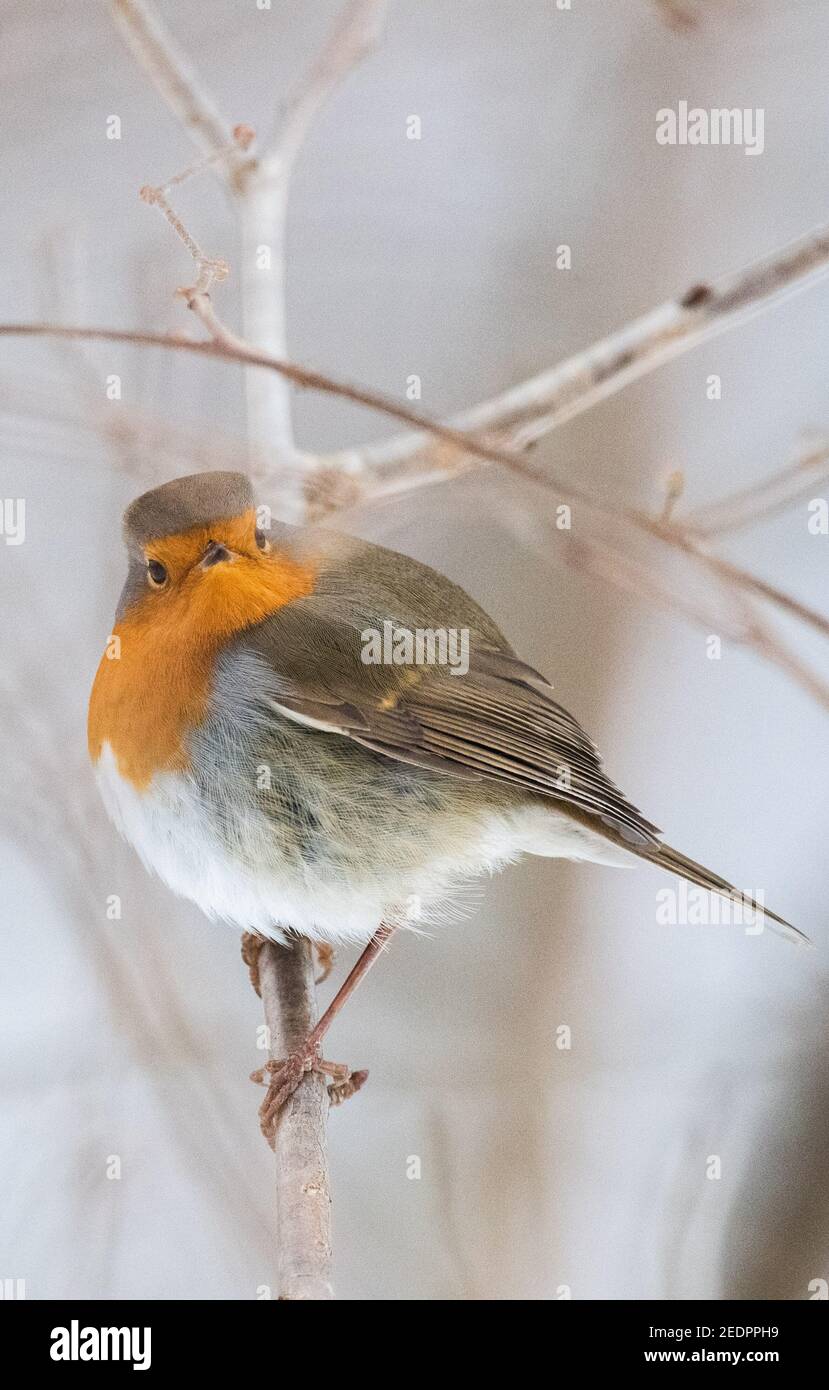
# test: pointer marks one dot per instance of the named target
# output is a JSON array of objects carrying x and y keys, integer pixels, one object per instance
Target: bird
[{"x": 308, "y": 734}]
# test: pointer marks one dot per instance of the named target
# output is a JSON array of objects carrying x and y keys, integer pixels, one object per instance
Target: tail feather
[{"x": 668, "y": 858}]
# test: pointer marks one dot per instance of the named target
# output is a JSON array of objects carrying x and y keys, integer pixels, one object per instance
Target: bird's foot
[
  {"x": 282, "y": 1079},
  {"x": 325, "y": 960},
  {"x": 252, "y": 944}
]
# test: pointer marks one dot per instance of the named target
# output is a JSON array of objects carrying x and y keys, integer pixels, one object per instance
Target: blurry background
[{"x": 541, "y": 1169}]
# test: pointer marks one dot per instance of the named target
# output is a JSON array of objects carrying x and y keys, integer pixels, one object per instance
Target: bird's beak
[{"x": 215, "y": 553}]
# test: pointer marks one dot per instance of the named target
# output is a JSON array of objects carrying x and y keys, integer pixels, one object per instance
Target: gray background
[{"x": 540, "y": 1168}]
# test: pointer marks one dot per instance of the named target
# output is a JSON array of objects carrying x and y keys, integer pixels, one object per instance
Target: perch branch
[{"x": 286, "y": 978}]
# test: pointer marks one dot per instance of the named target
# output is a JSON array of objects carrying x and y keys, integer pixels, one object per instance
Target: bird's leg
[{"x": 284, "y": 1077}]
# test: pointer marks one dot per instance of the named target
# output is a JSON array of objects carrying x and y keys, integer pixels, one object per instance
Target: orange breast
[{"x": 154, "y": 680}]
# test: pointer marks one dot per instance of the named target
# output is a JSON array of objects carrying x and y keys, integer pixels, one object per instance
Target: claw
[
  {"x": 251, "y": 946},
  {"x": 339, "y": 1091},
  {"x": 282, "y": 1079},
  {"x": 325, "y": 960}
]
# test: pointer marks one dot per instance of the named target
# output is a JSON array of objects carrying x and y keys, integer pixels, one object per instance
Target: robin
[{"x": 308, "y": 734}]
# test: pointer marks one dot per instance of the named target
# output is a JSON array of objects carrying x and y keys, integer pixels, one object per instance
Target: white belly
[{"x": 173, "y": 833}]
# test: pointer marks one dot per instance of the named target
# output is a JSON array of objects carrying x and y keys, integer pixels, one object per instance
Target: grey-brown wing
[{"x": 497, "y": 720}]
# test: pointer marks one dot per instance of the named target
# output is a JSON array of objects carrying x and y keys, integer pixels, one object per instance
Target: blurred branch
[
  {"x": 613, "y": 566},
  {"x": 746, "y": 628},
  {"x": 57, "y": 416},
  {"x": 768, "y": 644},
  {"x": 354, "y": 35},
  {"x": 682, "y": 538},
  {"x": 263, "y": 208},
  {"x": 744, "y": 580},
  {"x": 157, "y": 52},
  {"x": 261, "y": 188},
  {"x": 678, "y": 15},
  {"x": 750, "y": 505}
]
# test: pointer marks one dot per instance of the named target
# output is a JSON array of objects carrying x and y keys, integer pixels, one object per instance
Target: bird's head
[{"x": 199, "y": 562}]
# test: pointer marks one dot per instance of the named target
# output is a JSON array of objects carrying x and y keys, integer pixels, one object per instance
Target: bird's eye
[
  {"x": 262, "y": 540},
  {"x": 156, "y": 573}
]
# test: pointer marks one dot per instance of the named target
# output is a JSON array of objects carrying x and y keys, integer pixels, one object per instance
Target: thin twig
[
  {"x": 760, "y": 501},
  {"x": 674, "y": 488},
  {"x": 353, "y": 36},
  {"x": 210, "y": 269},
  {"x": 614, "y": 566},
  {"x": 740, "y": 578},
  {"x": 157, "y": 52},
  {"x": 617, "y": 568},
  {"x": 768, "y": 644}
]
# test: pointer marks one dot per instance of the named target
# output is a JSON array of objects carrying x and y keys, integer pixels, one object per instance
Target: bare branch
[
  {"x": 535, "y": 407},
  {"x": 674, "y": 488},
  {"x": 614, "y": 566},
  {"x": 743, "y": 579},
  {"x": 261, "y": 186},
  {"x": 227, "y": 345},
  {"x": 354, "y": 35},
  {"x": 263, "y": 209},
  {"x": 262, "y": 214},
  {"x": 766, "y": 642},
  {"x": 157, "y": 52},
  {"x": 210, "y": 269},
  {"x": 740, "y": 578}
]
